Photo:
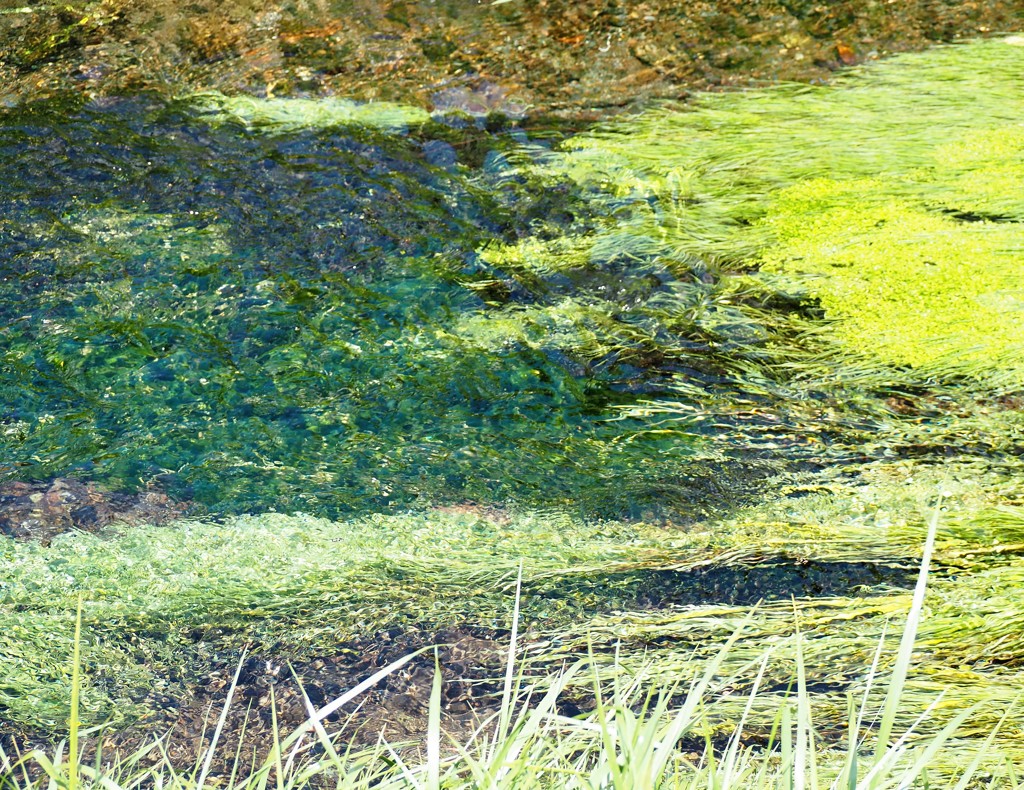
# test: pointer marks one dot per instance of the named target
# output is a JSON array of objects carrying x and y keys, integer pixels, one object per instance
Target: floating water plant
[
  {"x": 887, "y": 199},
  {"x": 293, "y": 114}
]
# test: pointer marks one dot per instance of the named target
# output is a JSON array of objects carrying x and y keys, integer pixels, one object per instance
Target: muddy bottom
[{"x": 472, "y": 664}]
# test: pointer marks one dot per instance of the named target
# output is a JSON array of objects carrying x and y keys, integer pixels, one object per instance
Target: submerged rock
[{"x": 41, "y": 510}]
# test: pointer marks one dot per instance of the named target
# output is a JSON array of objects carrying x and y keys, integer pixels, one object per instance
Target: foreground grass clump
[
  {"x": 164, "y": 604},
  {"x": 633, "y": 737}
]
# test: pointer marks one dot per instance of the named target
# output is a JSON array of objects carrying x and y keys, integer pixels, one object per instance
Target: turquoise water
[{"x": 292, "y": 321}]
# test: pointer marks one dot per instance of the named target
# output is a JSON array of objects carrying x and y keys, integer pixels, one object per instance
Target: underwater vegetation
[
  {"x": 702, "y": 367},
  {"x": 295, "y": 114},
  {"x": 276, "y": 317}
]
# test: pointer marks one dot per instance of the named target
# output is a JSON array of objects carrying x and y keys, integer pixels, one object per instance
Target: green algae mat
[
  {"x": 888, "y": 201},
  {"x": 691, "y": 361}
]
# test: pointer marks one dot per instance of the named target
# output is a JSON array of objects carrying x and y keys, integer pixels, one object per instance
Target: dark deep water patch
[{"x": 257, "y": 322}]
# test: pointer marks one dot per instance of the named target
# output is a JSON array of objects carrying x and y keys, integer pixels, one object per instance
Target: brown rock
[
  {"x": 845, "y": 54},
  {"x": 41, "y": 510},
  {"x": 566, "y": 57}
]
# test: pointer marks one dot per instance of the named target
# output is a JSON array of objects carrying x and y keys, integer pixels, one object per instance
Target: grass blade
[
  {"x": 434, "y": 730},
  {"x": 222, "y": 719},
  {"x": 906, "y": 649},
  {"x": 74, "y": 722},
  {"x": 506, "y": 694}
]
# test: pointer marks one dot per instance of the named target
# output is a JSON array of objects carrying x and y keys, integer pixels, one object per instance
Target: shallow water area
[{"x": 255, "y": 317}]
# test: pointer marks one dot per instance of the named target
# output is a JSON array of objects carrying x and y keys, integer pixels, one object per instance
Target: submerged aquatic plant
[
  {"x": 295, "y": 114},
  {"x": 254, "y": 580},
  {"x": 286, "y": 320},
  {"x": 751, "y": 272}
]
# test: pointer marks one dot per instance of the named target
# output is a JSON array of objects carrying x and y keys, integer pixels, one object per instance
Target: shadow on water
[{"x": 742, "y": 585}]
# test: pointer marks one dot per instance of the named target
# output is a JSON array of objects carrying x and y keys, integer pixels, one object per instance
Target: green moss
[
  {"x": 904, "y": 285},
  {"x": 291, "y": 114}
]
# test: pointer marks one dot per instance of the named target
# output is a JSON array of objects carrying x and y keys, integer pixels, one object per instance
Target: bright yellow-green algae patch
[
  {"x": 905, "y": 285},
  {"x": 891, "y": 198},
  {"x": 982, "y": 173},
  {"x": 292, "y": 114}
]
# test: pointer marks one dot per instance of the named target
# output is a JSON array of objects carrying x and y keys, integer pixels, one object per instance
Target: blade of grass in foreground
[
  {"x": 215, "y": 739},
  {"x": 983, "y": 750},
  {"x": 506, "y": 694},
  {"x": 895, "y": 691},
  {"x": 730, "y": 761},
  {"x": 434, "y": 730},
  {"x": 806, "y": 764},
  {"x": 76, "y": 682},
  {"x": 856, "y": 722}
]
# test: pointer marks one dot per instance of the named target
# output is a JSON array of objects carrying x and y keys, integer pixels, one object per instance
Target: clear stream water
[
  {"x": 332, "y": 320},
  {"x": 257, "y": 321}
]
